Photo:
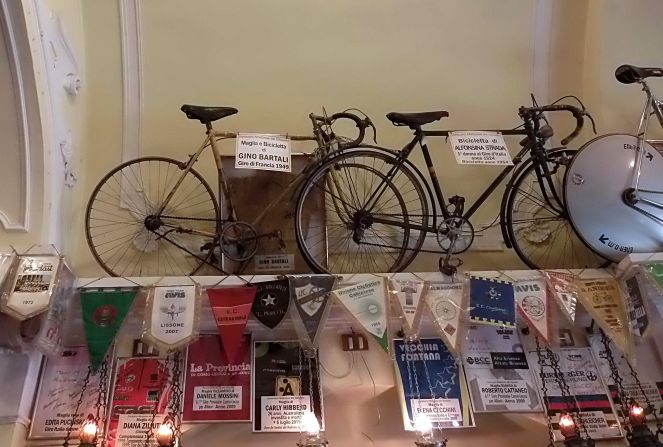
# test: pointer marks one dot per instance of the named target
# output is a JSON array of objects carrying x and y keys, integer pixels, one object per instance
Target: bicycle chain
[{"x": 420, "y": 250}]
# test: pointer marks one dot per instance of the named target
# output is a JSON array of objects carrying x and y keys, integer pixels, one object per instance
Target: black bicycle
[{"x": 379, "y": 208}]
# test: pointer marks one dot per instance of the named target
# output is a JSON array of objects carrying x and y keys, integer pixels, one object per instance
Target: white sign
[
  {"x": 213, "y": 398},
  {"x": 131, "y": 430},
  {"x": 263, "y": 152},
  {"x": 511, "y": 394},
  {"x": 479, "y": 148},
  {"x": 408, "y": 294},
  {"x": 269, "y": 263},
  {"x": 437, "y": 410},
  {"x": 283, "y": 413}
]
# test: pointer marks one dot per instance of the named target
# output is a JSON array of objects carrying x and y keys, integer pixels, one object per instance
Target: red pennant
[{"x": 231, "y": 308}]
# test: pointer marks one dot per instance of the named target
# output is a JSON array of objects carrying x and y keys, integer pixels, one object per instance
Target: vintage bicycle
[
  {"x": 614, "y": 184},
  {"x": 379, "y": 207},
  {"x": 156, "y": 216}
]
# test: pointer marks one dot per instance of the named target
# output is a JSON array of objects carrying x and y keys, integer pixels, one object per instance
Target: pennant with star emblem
[
  {"x": 103, "y": 314},
  {"x": 410, "y": 297},
  {"x": 310, "y": 305},
  {"x": 172, "y": 313},
  {"x": 602, "y": 299},
  {"x": 446, "y": 303},
  {"x": 271, "y": 302},
  {"x": 231, "y": 307},
  {"x": 367, "y": 303},
  {"x": 492, "y": 301}
]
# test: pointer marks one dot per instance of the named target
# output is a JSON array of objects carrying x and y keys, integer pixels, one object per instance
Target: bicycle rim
[
  {"x": 538, "y": 226},
  {"x": 127, "y": 235},
  {"x": 342, "y": 227}
]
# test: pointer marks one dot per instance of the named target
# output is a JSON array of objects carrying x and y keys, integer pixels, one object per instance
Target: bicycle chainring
[
  {"x": 239, "y": 241},
  {"x": 455, "y": 235}
]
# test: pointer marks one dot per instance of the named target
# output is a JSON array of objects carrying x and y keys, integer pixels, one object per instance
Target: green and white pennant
[{"x": 367, "y": 303}]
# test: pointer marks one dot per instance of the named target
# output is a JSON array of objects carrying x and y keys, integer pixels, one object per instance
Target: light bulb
[
  {"x": 567, "y": 425},
  {"x": 310, "y": 424},
  {"x": 423, "y": 426},
  {"x": 88, "y": 431},
  {"x": 636, "y": 415},
  {"x": 165, "y": 435}
]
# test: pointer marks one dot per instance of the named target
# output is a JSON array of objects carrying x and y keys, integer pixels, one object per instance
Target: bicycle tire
[
  {"x": 537, "y": 234},
  {"x": 124, "y": 193},
  {"x": 352, "y": 167}
]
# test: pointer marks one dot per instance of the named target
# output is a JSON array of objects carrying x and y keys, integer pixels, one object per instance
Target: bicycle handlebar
[
  {"x": 361, "y": 123},
  {"x": 529, "y": 112}
]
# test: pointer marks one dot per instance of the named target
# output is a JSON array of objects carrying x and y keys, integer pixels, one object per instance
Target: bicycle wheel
[
  {"x": 358, "y": 212},
  {"x": 129, "y": 237},
  {"x": 538, "y": 226}
]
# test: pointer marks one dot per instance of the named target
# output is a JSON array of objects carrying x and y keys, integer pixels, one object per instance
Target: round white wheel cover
[{"x": 595, "y": 183}]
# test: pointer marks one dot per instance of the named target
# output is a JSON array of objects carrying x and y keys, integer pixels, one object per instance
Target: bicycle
[
  {"x": 377, "y": 221},
  {"x": 156, "y": 216},
  {"x": 614, "y": 183}
]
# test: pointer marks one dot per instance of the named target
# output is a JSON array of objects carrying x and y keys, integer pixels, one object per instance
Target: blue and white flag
[{"x": 492, "y": 301}]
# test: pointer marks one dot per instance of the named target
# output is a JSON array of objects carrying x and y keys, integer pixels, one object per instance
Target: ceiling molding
[
  {"x": 17, "y": 71},
  {"x": 131, "y": 77}
]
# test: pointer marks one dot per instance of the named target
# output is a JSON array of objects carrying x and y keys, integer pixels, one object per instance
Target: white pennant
[
  {"x": 409, "y": 296},
  {"x": 33, "y": 286},
  {"x": 533, "y": 305},
  {"x": 367, "y": 302},
  {"x": 445, "y": 301},
  {"x": 172, "y": 311}
]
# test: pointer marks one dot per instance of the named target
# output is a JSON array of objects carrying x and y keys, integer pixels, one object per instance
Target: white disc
[{"x": 595, "y": 183}]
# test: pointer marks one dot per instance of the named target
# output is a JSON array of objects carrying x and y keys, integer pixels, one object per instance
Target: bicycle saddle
[
  {"x": 415, "y": 119},
  {"x": 629, "y": 74},
  {"x": 207, "y": 114}
]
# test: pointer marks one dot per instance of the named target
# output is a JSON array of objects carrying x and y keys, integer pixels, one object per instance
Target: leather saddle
[
  {"x": 207, "y": 114},
  {"x": 415, "y": 119},
  {"x": 630, "y": 74}
]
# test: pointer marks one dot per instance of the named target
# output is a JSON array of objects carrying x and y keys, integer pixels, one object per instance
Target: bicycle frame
[
  {"x": 653, "y": 106},
  {"x": 420, "y": 138}
]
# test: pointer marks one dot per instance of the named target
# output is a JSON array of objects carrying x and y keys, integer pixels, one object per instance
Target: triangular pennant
[
  {"x": 33, "y": 287},
  {"x": 231, "y": 308},
  {"x": 103, "y": 314},
  {"x": 602, "y": 299},
  {"x": 492, "y": 301},
  {"x": 410, "y": 297},
  {"x": 310, "y": 305},
  {"x": 565, "y": 291},
  {"x": 367, "y": 303},
  {"x": 271, "y": 302},
  {"x": 171, "y": 316},
  {"x": 534, "y": 305},
  {"x": 446, "y": 303}
]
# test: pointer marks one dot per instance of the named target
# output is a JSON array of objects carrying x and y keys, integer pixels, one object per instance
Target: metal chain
[
  {"x": 79, "y": 402},
  {"x": 176, "y": 396},
  {"x": 149, "y": 433},
  {"x": 420, "y": 250},
  {"x": 616, "y": 377},
  {"x": 318, "y": 381},
  {"x": 300, "y": 351},
  {"x": 102, "y": 399},
  {"x": 544, "y": 388},
  {"x": 650, "y": 406}
]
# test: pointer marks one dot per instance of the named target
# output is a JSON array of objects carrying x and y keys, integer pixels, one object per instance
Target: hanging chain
[
  {"x": 616, "y": 378},
  {"x": 650, "y": 406},
  {"x": 149, "y": 433},
  {"x": 300, "y": 351},
  {"x": 544, "y": 388},
  {"x": 79, "y": 402},
  {"x": 318, "y": 381},
  {"x": 176, "y": 396},
  {"x": 102, "y": 399}
]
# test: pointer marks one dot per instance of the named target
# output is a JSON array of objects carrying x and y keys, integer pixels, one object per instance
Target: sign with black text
[
  {"x": 497, "y": 371},
  {"x": 479, "y": 148},
  {"x": 282, "y": 390},
  {"x": 263, "y": 151}
]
